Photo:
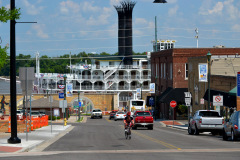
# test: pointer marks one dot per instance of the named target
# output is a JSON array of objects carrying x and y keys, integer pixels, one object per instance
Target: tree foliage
[{"x": 5, "y": 15}]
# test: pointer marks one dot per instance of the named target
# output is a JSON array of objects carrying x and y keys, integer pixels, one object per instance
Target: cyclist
[{"x": 128, "y": 120}]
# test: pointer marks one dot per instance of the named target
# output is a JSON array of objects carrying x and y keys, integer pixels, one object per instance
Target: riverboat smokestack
[{"x": 125, "y": 24}]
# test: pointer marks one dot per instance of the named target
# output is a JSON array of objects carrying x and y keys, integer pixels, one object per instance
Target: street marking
[
  {"x": 108, "y": 120},
  {"x": 157, "y": 141}
]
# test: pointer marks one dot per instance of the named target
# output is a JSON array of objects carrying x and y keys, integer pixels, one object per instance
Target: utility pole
[
  {"x": 155, "y": 33},
  {"x": 13, "y": 139}
]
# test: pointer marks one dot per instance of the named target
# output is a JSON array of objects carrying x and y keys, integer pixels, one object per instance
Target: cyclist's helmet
[{"x": 128, "y": 113}]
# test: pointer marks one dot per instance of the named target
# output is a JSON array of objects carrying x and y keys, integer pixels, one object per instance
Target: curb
[
  {"x": 177, "y": 127},
  {"x": 57, "y": 136}
]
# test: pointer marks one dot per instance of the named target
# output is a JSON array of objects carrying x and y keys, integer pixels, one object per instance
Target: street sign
[
  {"x": 201, "y": 101},
  {"x": 188, "y": 98},
  {"x": 218, "y": 100},
  {"x": 61, "y": 95},
  {"x": 151, "y": 101},
  {"x": 173, "y": 104},
  {"x": 63, "y": 105},
  {"x": 79, "y": 104}
]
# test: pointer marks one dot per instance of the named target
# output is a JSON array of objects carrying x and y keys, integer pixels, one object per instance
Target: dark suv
[{"x": 111, "y": 115}]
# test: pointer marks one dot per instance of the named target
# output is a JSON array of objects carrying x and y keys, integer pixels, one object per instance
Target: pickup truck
[
  {"x": 206, "y": 121},
  {"x": 143, "y": 119}
]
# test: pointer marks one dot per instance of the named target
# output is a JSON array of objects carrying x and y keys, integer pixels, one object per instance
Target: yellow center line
[
  {"x": 108, "y": 120},
  {"x": 157, "y": 141}
]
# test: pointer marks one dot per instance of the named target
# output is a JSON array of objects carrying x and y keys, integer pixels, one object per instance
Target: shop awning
[
  {"x": 233, "y": 92},
  {"x": 176, "y": 94},
  {"x": 228, "y": 99}
]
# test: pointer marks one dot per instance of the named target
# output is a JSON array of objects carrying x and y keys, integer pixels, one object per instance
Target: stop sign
[{"x": 173, "y": 104}]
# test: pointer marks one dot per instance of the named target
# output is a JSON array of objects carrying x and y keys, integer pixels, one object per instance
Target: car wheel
[
  {"x": 196, "y": 132},
  {"x": 233, "y": 136},
  {"x": 115, "y": 119},
  {"x": 225, "y": 138},
  {"x": 190, "y": 131}
]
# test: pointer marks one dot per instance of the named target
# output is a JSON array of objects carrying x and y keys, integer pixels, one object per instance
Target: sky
[{"x": 65, "y": 26}]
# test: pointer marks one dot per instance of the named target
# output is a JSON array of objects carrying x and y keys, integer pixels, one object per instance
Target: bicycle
[{"x": 128, "y": 132}]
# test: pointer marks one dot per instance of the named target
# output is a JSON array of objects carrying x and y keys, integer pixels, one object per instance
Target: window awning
[
  {"x": 233, "y": 92},
  {"x": 176, "y": 94},
  {"x": 228, "y": 99}
]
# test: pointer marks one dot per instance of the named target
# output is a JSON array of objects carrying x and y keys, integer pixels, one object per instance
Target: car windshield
[
  {"x": 137, "y": 103},
  {"x": 209, "y": 114},
  {"x": 19, "y": 112},
  {"x": 35, "y": 113},
  {"x": 143, "y": 114},
  {"x": 97, "y": 110},
  {"x": 120, "y": 113}
]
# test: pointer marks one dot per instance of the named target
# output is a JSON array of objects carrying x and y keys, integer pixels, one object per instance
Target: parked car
[
  {"x": 96, "y": 113},
  {"x": 19, "y": 114},
  {"x": 43, "y": 113},
  {"x": 232, "y": 127},
  {"x": 206, "y": 121},
  {"x": 143, "y": 119},
  {"x": 111, "y": 115},
  {"x": 119, "y": 115},
  {"x": 36, "y": 114}
]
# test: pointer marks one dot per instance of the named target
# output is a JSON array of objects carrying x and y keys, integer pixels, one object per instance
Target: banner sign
[
  {"x": 202, "y": 70},
  {"x": 69, "y": 89},
  {"x": 152, "y": 87},
  {"x": 138, "y": 92}
]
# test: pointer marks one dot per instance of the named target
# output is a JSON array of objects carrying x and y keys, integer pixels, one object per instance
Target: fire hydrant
[{"x": 65, "y": 121}]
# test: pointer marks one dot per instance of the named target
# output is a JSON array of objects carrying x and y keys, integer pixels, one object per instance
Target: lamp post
[
  {"x": 155, "y": 98},
  {"x": 65, "y": 120},
  {"x": 209, "y": 74},
  {"x": 78, "y": 107}
]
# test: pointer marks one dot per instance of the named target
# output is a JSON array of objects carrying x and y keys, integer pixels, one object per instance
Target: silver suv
[{"x": 96, "y": 113}]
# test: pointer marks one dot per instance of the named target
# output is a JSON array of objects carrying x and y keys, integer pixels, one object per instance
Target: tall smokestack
[
  {"x": 121, "y": 30},
  {"x": 128, "y": 9}
]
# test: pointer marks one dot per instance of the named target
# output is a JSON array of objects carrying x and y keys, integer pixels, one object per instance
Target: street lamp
[
  {"x": 65, "y": 79},
  {"x": 160, "y": 1},
  {"x": 209, "y": 73},
  {"x": 155, "y": 99}
]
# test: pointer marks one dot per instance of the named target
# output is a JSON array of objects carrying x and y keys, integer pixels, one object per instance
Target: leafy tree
[{"x": 5, "y": 15}]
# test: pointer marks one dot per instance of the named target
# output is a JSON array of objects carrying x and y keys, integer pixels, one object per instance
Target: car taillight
[
  {"x": 117, "y": 115},
  {"x": 235, "y": 126},
  {"x": 222, "y": 121},
  {"x": 124, "y": 115},
  {"x": 136, "y": 119},
  {"x": 200, "y": 120}
]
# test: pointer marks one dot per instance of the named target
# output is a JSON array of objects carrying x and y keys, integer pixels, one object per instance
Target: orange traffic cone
[{"x": 9, "y": 124}]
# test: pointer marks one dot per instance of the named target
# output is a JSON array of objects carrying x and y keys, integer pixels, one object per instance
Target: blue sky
[{"x": 65, "y": 26}]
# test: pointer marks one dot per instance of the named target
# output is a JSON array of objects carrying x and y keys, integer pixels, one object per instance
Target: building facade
[{"x": 170, "y": 72}]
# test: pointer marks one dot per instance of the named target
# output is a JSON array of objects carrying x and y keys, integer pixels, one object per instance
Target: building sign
[
  {"x": 202, "y": 70},
  {"x": 69, "y": 89},
  {"x": 238, "y": 84},
  {"x": 152, "y": 87},
  {"x": 218, "y": 100}
]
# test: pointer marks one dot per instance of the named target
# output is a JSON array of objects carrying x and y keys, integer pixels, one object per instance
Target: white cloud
[
  {"x": 69, "y": 6},
  {"x": 173, "y": 11},
  {"x": 232, "y": 10},
  {"x": 39, "y": 30},
  {"x": 88, "y": 7},
  {"x": 236, "y": 27},
  {"x": 172, "y": 1},
  {"x": 217, "y": 9},
  {"x": 32, "y": 9}
]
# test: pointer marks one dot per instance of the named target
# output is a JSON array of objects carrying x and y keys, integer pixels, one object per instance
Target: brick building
[{"x": 170, "y": 73}]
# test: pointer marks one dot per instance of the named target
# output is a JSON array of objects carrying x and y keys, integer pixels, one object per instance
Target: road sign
[
  {"x": 151, "y": 101},
  {"x": 61, "y": 95},
  {"x": 79, "y": 104},
  {"x": 63, "y": 105},
  {"x": 173, "y": 104},
  {"x": 218, "y": 100},
  {"x": 201, "y": 101}
]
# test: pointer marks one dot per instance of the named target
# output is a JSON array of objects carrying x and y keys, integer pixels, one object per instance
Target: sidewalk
[
  {"x": 179, "y": 124},
  {"x": 38, "y": 139}
]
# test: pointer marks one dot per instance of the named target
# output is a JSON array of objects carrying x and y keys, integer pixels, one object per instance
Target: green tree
[{"x": 5, "y": 15}]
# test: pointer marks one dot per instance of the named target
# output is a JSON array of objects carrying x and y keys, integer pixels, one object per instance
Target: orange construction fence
[{"x": 35, "y": 123}]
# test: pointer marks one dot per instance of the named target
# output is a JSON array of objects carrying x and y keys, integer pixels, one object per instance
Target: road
[{"x": 104, "y": 139}]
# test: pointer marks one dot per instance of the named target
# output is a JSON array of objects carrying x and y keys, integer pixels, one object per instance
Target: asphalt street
[{"x": 104, "y": 139}]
